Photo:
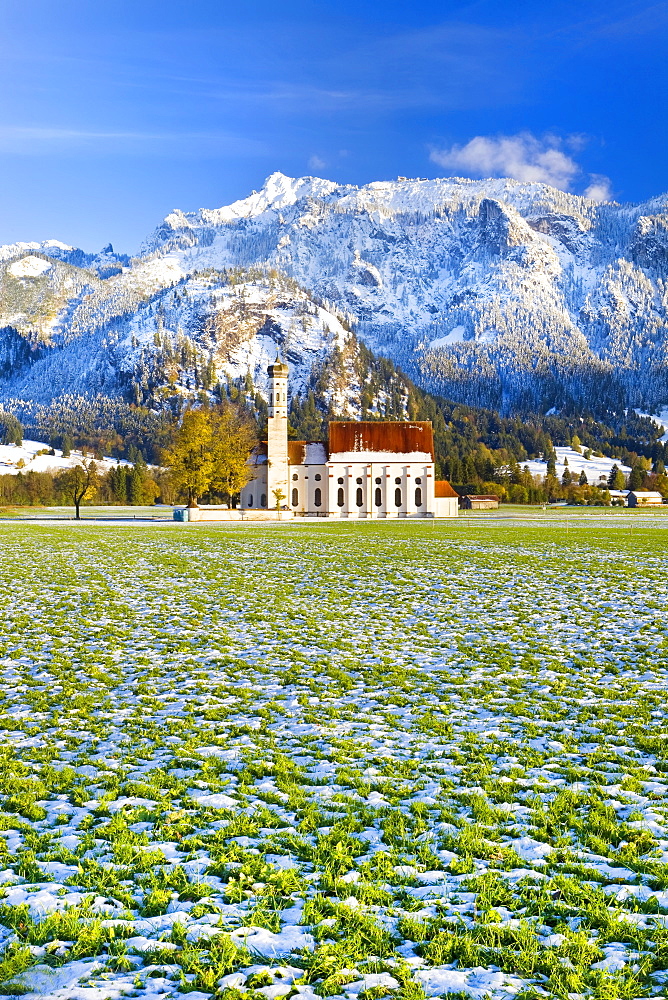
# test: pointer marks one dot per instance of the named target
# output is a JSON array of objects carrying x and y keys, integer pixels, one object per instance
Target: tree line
[
  {"x": 205, "y": 444},
  {"x": 206, "y": 459},
  {"x": 85, "y": 484}
]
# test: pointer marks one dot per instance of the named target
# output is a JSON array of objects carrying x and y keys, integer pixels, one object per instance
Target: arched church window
[
  {"x": 379, "y": 497},
  {"x": 318, "y": 477},
  {"x": 339, "y": 496},
  {"x": 317, "y": 497},
  {"x": 250, "y": 500},
  {"x": 295, "y": 497},
  {"x": 418, "y": 497},
  {"x": 398, "y": 480},
  {"x": 418, "y": 481},
  {"x": 263, "y": 500},
  {"x": 397, "y": 497},
  {"x": 340, "y": 481},
  {"x": 359, "y": 482},
  {"x": 359, "y": 498},
  {"x": 378, "y": 481},
  {"x": 295, "y": 476}
]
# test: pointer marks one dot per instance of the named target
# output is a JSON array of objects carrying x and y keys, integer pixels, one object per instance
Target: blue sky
[{"x": 113, "y": 113}]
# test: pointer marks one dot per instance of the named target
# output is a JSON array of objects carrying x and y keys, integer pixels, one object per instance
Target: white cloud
[
  {"x": 315, "y": 162},
  {"x": 523, "y": 156},
  {"x": 600, "y": 188}
]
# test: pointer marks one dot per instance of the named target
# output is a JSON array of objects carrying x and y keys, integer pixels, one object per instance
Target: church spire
[{"x": 277, "y": 431}]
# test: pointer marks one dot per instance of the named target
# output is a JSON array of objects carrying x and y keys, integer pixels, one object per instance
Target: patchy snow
[
  {"x": 265, "y": 942},
  {"x": 27, "y": 458},
  {"x": 56, "y": 245},
  {"x": 456, "y": 336},
  {"x": 371, "y": 981},
  {"x": 217, "y": 801},
  {"x": 596, "y": 469},
  {"x": 45, "y": 981},
  {"x": 9, "y": 250},
  {"x": 660, "y": 419},
  {"x": 29, "y": 267},
  {"x": 478, "y": 983},
  {"x": 531, "y": 850},
  {"x": 350, "y": 701}
]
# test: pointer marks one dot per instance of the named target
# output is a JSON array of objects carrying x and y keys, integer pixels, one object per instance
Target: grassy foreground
[{"x": 351, "y": 760}]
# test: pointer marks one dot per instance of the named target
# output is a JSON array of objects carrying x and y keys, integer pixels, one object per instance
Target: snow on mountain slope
[
  {"x": 37, "y": 295},
  {"x": 153, "y": 334},
  {"x": 500, "y": 293},
  {"x": 559, "y": 298}
]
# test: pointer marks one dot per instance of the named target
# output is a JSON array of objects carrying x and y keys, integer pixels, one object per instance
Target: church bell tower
[{"x": 277, "y": 433}]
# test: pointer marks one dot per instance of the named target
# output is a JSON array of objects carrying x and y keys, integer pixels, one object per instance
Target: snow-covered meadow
[
  {"x": 597, "y": 468},
  {"x": 348, "y": 760},
  {"x": 34, "y": 456}
]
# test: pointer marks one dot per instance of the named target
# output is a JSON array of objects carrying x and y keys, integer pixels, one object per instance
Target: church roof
[
  {"x": 360, "y": 437},
  {"x": 307, "y": 453},
  {"x": 442, "y": 488},
  {"x": 296, "y": 452},
  {"x": 398, "y": 437}
]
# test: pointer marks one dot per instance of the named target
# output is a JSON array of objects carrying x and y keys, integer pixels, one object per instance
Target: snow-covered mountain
[
  {"x": 495, "y": 292},
  {"x": 154, "y": 333}
]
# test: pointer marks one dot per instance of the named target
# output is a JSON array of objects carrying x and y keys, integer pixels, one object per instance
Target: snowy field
[{"x": 347, "y": 760}]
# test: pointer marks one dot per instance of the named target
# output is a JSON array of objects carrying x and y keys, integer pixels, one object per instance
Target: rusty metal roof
[
  {"x": 400, "y": 437},
  {"x": 296, "y": 452},
  {"x": 442, "y": 488}
]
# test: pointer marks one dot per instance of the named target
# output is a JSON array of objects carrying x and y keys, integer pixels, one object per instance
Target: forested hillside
[{"x": 510, "y": 295}]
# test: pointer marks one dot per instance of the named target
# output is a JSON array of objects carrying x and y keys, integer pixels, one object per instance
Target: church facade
[{"x": 367, "y": 469}]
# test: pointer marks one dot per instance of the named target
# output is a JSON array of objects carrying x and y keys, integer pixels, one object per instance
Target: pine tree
[
  {"x": 637, "y": 477},
  {"x": 616, "y": 479},
  {"x": 11, "y": 431}
]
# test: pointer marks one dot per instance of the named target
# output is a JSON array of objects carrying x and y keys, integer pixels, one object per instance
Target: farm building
[
  {"x": 479, "y": 501},
  {"x": 643, "y": 498},
  {"x": 367, "y": 469}
]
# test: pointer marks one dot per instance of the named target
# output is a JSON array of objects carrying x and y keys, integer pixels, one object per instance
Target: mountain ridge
[{"x": 496, "y": 293}]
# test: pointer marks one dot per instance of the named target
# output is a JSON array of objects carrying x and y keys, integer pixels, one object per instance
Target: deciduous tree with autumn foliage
[{"x": 209, "y": 452}]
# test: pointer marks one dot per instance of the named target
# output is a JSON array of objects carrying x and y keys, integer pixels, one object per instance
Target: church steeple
[{"x": 277, "y": 432}]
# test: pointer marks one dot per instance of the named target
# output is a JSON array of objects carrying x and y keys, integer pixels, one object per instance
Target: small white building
[
  {"x": 643, "y": 498},
  {"x": 367, "y": 469}
]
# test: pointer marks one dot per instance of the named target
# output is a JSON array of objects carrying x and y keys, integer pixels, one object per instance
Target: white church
[{"x": 367, "y": 469}]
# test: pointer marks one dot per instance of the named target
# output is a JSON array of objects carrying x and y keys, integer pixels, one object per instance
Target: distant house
[
  {"x": 643, "y": 498},
  {"x": 618, "y": 497},
  {"x": 479, "y": 501},
  {"x": 446, "y": 500}
]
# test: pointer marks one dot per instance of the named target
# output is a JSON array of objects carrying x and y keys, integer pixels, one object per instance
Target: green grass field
[{"x": 345, "y": 760}]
